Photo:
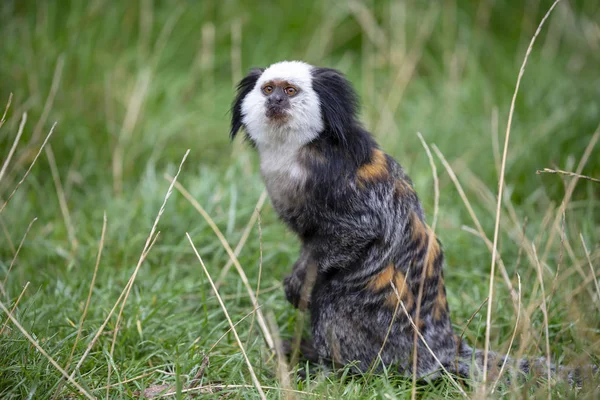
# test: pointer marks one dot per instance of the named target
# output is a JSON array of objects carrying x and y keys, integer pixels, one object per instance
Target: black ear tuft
[
  {"x": 339, "y": 102},
  {"x": 243, "y": 88}
]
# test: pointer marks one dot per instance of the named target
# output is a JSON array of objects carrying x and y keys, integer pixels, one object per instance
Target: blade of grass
[
  {"x": 134, "y": 108},
  {"x": 90, "y": 291},
  {"x": 211, "y": 389},
  {"x": 462, "y": 334},
  {"x": 12, "y": 263},
  {"x": 587, "y": 256},
  {"x": 569, "y": 192},
  {"x": 56, "y": 78},
  {"x": 7, "y": 235},
  {"x": 500, "y": 192},
  {"x": 482, "y": 234},
  {"x": 567, "y": 173},
  {"x": 229, "y": 330},
  {"x": 244, "y": 238},
  {"x": 436, "y": 183},
  {"x": 62, "y": 200},
  {"x": 260, "y": 264},
  {"x": 237, "y": 338},
  {"x": 126, "y": 381},
  {"x": 512, "y": 339},
  {"x": 29, "y": 169},
  {"x": 12, "y": 310},
  {"x": 545, "y": 314},
  {"x": 8, "y": 103},
  {"x": 15, "y": 143}
]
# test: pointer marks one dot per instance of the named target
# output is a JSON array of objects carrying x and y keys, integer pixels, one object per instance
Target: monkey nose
[{"x": 277, "y": 99}]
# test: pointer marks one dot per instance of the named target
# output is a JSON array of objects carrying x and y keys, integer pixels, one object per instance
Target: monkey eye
[
  {"x": 290, "y": 91},
  {"x": 267, "y": 89}
]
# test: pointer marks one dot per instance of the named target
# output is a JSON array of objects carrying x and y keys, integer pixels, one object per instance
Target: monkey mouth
[{"x": 277, "y": 114}]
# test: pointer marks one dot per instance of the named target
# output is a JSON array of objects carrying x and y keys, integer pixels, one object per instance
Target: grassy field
[{"x": 133, "y": 85}]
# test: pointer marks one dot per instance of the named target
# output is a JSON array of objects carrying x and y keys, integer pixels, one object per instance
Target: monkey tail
[{"x": 469, "y": 365}]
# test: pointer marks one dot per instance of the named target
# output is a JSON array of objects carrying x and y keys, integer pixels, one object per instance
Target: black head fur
[
  {"x": 243, "y": 88},
  {"x": 339, "y": 102},
  {"x": 339, "y": 106}
]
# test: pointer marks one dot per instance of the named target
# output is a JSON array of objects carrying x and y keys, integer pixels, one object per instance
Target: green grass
[{"x": 454, "y": 66}]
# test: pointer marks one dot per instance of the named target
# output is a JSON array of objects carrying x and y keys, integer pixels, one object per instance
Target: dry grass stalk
[
  {"x": 89, "y": 297},
  {"x": 516, "y": 234},
  {"x": 561, "y": 254},
  {"x": 244, "y": 238},
  {"x": 569, "y": 192},
  {"x": 422, "y": 281},
  {"x": 141, "y": 260},
  {"x": 12, "y": 263},
  {"x": 512, "y": 339},
  {"x": 545, "y": 313},
  {"x": 587, "y": 256},
  {"x": 12, "y": 310},
  {"x": 416, "y": 334},
  {"x": 195, "y": 381},
  {"x": 567, "y": 173},
  {"x": 134, "y": 108},
  {"x": 236, "y": 263},
  {"x": 62, "y": 200},
  {"x": 37, "y": 131},
  {"x": 41, "y": 350},
  {"x": 283, "y": 369},
  {"x": 29, "y": 169},
  {"x": 237, "y": 338},
  {"x": 125, "y": 381},
  {"x": 462, "y": 334},
  {"x": 482, "y": 234},
  {"x": 495, "y": 140},
  {"x": 15, "y": 143},
  {"x": 460, "y": 389},
  {"x": 501, "y": 191},
  {"x": 260, "y": 265},
  {"x": 8, "y": 103},
  {"x": 211, "y": 389},
  {"x": 229, "y": 330},
  {"x": 436, "y": 183},
  {"x": 7, "y": 236}
]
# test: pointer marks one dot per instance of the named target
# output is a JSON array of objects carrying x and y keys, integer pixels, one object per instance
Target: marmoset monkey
[{"x": 361, "y": 225}]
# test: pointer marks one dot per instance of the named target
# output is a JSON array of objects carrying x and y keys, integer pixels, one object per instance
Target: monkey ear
[
  {"x": 243, "y": 88},
  {"x": 339, "y": 102}
]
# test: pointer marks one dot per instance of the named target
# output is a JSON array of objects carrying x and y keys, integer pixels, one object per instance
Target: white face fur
[{"x": 303, "y": 122}]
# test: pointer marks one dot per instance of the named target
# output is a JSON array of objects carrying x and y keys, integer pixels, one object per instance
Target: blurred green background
[{"x": 134, "y": 84}]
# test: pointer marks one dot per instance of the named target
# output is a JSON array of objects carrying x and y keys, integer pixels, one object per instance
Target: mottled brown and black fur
[{"x": 365, "y": 245}]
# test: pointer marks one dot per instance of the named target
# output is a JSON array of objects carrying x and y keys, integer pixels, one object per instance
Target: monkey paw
[{"x": 295, "y": 292}]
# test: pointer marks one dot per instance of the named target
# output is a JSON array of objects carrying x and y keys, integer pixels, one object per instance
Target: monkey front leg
[{"x": 298, "y": 285}]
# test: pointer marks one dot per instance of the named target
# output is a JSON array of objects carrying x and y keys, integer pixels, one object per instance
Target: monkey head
[{"x": 293, "y": 103}]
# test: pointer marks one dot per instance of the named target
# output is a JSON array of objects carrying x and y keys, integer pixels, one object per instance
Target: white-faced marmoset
[{"x": 361, "y": 226}]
